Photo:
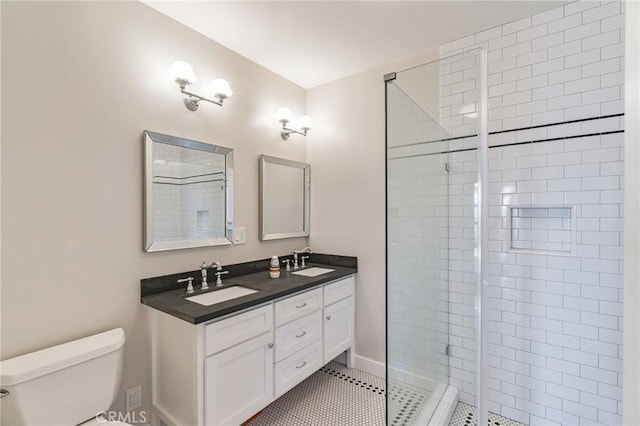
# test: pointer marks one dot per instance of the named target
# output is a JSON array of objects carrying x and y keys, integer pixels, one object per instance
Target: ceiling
[{"x": 312, "y": 43}]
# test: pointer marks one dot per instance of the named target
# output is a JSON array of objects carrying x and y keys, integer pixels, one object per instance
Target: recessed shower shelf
[{"x": 546, "y": 230}]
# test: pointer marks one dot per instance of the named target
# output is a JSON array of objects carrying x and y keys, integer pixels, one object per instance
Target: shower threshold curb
[{"x": 446, "y": 407}]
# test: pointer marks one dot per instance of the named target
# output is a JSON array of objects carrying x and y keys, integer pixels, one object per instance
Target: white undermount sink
[
  {"x": 313, "y": 272},
  {"x": 219, "y": 296}
]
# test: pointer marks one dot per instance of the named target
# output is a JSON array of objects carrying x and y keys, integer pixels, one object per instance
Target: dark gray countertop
[{"x": 173, "y": 302}]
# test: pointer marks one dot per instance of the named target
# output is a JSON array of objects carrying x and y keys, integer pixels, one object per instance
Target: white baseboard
[
  {"x": 370, "y": 366},
  {"x": 414, "y": 379}
]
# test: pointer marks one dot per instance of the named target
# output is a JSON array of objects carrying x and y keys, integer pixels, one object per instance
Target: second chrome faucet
[
  {"x": 296, "y": 252},
  {"x": 219, "y": 272}
]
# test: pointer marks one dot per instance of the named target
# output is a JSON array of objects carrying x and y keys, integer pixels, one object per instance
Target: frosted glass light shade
[
  {"x": 221, "y": 88},
  {"x": 284, "y": 115},
  {"x": 183, "y": 71},
  {"x": 305, "y": 123}
]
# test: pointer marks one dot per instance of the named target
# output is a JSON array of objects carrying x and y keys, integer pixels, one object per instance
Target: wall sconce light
[
  {"x": 183, "y": 75},
  {"x": 284, "y": 116}
]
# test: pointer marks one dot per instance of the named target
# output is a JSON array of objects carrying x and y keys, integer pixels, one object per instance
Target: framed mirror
[
  {"x": 285, "y": 187},
  {"x": 188, "y": 193}
]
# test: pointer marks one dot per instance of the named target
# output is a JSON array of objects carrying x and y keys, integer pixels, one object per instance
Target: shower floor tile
[
  {"x": 465, "y": 415},
  {"x": 341, "y": 396}
]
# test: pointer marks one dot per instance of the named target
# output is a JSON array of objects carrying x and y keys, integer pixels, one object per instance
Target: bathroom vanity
[{"x": 223, "y": 363}]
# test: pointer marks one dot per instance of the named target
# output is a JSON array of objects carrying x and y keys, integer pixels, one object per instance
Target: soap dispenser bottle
[{"x": 274, "y": 267}]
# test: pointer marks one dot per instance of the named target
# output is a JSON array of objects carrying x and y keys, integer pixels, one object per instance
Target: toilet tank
[{"x": 62, "y": 385}]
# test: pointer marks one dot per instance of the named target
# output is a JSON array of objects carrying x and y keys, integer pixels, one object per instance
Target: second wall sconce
[
  {"x": 284, "y": 116},
  {"x": 183, "y": 75}
]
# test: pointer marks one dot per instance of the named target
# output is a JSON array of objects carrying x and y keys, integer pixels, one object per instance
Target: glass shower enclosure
[{"x": 436, "y": 163}]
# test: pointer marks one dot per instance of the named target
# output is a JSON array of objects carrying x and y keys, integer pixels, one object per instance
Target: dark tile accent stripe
[
  {"x": 433, "y": 153},
  {"x": 353, "y": 380},
  {"x": 434, "y": 141},
  {"x": 558, "y": 138},
  {"x": 559, "y": 123},
  {"x": 497, "y": 132},
  {"x": 524, "y": 142}
]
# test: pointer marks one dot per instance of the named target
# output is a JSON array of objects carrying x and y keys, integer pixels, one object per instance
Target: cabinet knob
[
  {"x": 301, "y": 365},
  {"x": 328, "y": 317},
  {"x": 301, "y": 306},
  {"x": 270, "y": 345},
  {"x": 301, "y": 334}
]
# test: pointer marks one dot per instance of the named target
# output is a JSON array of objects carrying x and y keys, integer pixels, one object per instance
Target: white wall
[
  {"x": 346, "y": 153},
  {"x": 81, "y": 81}
]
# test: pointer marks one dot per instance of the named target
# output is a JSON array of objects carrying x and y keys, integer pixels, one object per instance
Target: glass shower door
[{"x": 432, "y": 237}]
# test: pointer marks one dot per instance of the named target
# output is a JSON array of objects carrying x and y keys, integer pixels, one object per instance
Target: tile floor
[
  {"x": 465, "y": 415},
  {"x": 320, "y": 401}
]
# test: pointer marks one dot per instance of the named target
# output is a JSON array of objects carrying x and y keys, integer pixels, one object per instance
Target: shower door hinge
[
  {"x": 447, "y": 168},
  {"x": 448, "y": 350},
  {"x": 389, "y": 77}
]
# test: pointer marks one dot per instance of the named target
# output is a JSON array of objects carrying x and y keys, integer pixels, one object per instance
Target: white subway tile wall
[{"x": 555, "y": 336}]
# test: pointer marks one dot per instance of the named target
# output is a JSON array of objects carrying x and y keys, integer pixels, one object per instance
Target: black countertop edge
[
  {"x": 174, "y": 302},
  {"x": 161, "y": 284}
]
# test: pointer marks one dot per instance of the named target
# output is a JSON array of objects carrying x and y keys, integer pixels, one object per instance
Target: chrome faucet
[
  {"x": 218, "y": 273},
  {"x": 203, "y": 270},
  {"x": 295, "y": 256},
  {"x": 303, "y": 259}
]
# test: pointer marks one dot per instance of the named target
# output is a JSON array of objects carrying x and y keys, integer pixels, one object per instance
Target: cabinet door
[
  {"x": 239, "y": 382},
  {"x": 338, "y": 328}
]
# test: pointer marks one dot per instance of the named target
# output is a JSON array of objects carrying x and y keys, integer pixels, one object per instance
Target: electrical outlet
[{"x": 133, "y": 398}]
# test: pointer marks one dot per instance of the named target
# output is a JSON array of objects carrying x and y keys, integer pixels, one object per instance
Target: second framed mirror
[{"x": 284, "y": 198}]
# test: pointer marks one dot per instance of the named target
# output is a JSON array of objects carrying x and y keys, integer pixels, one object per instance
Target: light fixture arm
[
  {"x": 191, "y": 100},
  {"x": 285, "y": 132}
]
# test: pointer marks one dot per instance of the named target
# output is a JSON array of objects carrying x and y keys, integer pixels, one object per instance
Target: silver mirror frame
[
  {"x": 149, "y": 138},
  {"x": 264, "y": 159}
]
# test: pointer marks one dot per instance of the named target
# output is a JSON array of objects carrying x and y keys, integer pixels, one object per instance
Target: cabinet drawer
[
  {"x": 292, "y": 337},
  {"x": 338, "y": 291},
  {"x": 237, "y": 329},
  {"x": 294, "y": 369},
  {"x": 298, "y": 306}
]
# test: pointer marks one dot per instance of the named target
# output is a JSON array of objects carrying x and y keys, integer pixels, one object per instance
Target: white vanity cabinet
[{"x": 224, "y": 371}]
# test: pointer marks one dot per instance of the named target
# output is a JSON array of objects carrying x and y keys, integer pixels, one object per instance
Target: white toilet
[{"x": 68, "y": 384}]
